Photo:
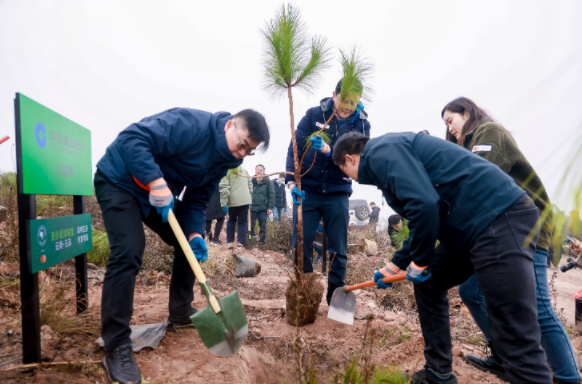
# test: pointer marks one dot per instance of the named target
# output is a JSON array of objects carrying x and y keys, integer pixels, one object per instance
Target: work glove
[
  {"x": 225, "y": 209},
  {"x": 297, "y": 197},
  {"x": 319, "y": 145},
  {"x": 382, "y": 273},
  {"x": 417, "y": 274},
  {"x": 161, "y": 198},
  {"x": 199, "y": 248}
]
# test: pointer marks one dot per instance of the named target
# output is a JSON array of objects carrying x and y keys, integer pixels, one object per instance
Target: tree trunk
[{"x": 299, "y": 250}]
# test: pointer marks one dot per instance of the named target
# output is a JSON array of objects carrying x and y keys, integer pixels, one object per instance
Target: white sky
[{"x": 106, "y": 64}]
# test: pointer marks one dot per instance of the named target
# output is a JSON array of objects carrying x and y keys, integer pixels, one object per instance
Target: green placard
[
  {"x": 58, "y": 239},
  {"x": 56, "y": 152}
]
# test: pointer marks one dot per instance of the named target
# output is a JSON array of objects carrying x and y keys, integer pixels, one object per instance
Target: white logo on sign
[{"x": 41, "y": 235}]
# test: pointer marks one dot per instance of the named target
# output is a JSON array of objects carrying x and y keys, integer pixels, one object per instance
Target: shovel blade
[
  {"x": 342, "y": 306},
  {"x": 250, "y": 241},
  {"x": 222, "y": 333}
]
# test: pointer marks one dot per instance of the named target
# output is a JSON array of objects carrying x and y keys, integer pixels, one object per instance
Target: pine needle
[{"x": 357, "y": 71}]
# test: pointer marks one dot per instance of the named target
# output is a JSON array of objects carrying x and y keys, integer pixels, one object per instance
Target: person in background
[
  {"x": 280, "y": 197},
  {"x": 394, "y": 224},
  {"x": 263, "y": 201},
  {"x": 236, "y": 194},
  {"x": 481, "y": 219},
  {"x": 325, "y": 189},
  {"x": 149, "y": 163},
  {"x": 470, "y": 127},
  {"x": 374, "y": 214},
  {"x": 215, "y": 212}
]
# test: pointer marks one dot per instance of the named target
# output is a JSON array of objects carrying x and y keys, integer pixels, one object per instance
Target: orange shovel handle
[
  {"x": 386, "y": 280},
  {"x": 4, "y": 139}
]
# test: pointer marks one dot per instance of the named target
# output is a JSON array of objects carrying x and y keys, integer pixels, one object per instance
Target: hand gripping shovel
[
  {"x": 250, "y": 240},
  {"x": 222, "y": 324},
  {"x": 343, "y": 301}
]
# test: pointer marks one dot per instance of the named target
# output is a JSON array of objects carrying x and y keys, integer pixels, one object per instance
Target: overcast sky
[{"x": 106, "y": 64}]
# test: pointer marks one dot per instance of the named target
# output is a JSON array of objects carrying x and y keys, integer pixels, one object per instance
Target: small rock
[
  {"x": 8, "y": 349},
  {"x": 58, "y": 359},
  {"x": 458, "y": 352},
  {"x": 10, "y": 332},
  {"x": 18, "y": 332}
]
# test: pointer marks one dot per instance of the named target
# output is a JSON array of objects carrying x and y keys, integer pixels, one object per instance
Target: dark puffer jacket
[
  {"x": 263, "y": 195},
  {"x": 325, "y": 177},
  {"x": 280, "y": 194},
  {"x": 446, "y": 192}
]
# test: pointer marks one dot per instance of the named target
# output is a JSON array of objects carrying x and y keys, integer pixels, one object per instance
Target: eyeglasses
[{"x": 240, "y": 145}]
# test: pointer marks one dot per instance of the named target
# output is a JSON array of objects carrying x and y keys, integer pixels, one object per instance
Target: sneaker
[
  {"x": 318, "y": 260},
  {"x": 179, "y": 322},
  {"x": 121, "y": 366},
  {"x": 216, "y": 242},
  {"x": 428, "y": 376}
]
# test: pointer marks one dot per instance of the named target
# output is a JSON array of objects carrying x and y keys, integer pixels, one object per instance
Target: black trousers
[
  {"x": 334, "y": 210},
  {"x": 237, "y": 215},
  {"x": 217, "y": 228},
  {"x": 124, "y": 224},
  {"x": 504, "y": 267}
]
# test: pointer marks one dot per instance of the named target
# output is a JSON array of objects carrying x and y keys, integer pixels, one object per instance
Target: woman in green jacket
[{"x": 471, "y": 127}]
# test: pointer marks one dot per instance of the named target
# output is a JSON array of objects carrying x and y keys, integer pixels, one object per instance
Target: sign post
[{"x": 53, "y": 158}]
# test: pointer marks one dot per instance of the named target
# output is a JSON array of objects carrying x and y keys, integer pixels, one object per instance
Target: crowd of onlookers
[{"x": 246, "y": 200}]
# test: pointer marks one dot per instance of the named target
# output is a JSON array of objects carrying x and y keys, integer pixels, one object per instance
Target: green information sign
[
  {"x": 58, "y": 239},
  {"x": 56, "y": 152}
]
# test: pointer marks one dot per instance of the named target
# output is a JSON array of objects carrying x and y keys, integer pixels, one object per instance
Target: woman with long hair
[{"x": 472, "y": 128}]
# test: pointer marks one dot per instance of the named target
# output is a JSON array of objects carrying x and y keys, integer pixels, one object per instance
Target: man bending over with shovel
[
  {"x": 481, "y": 218},
  {"x": 148, "y": 164}
]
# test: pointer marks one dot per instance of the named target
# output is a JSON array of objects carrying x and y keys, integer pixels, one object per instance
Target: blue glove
[
  {"x": 199, "y": 248},
  {"x": 317, "y": 143},
  {"x": 164, "y": 210},
  {"x": 161, "y": 198},
  {"x": 417, "y": 274},
  {"x": 382, "y": 273},
  {"x": 225, "y": 209},
  {"x": 297, "y": 197}
]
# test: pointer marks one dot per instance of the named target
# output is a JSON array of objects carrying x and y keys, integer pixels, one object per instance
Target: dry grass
[
  {"x": 58, "y": 307},
  {"x": 279, "y": 236}
]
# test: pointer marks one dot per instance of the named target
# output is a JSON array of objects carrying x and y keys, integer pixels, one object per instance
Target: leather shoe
[
  {"x": 182, "y": 320},
  {"x": 492, "y": 364},
  {"x": 121, "y": 366}
]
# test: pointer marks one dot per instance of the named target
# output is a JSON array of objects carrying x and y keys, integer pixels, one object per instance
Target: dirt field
[{"x": 182, "y": 358}]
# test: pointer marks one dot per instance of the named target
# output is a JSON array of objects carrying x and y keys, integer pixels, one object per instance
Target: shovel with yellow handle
[
  {"x": 343, "y": 302},
  {"x": 222, "y": 324}
]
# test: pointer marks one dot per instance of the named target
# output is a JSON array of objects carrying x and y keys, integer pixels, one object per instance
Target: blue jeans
[
  {"x": 278, "y": 213},
  {"x": 555, "y": 340},
  {"x": 262, "y": 217}
]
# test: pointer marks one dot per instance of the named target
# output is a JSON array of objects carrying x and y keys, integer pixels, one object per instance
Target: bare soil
[{"x": 267, "y": 355}]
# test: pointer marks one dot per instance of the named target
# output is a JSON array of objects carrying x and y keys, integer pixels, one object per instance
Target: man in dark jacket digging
[
  {"x": 325, "y": 187},
  {"x": 148, "y": 164},
  {"x": 481, "y": 218}
]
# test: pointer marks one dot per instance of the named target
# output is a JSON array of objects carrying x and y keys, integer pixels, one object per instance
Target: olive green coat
[{"x": 495, "y": 144}]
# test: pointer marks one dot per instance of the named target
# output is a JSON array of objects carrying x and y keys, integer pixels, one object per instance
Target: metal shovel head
[
  {"x": 245, "y": 267},
  {"x": 250, "y": 241},
  {"x": 342, "y": 306},
  {"x": 222, "y": 333}
]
